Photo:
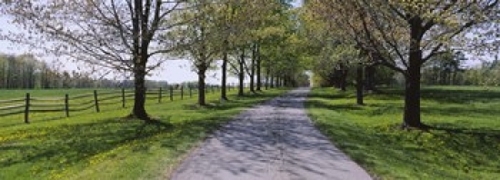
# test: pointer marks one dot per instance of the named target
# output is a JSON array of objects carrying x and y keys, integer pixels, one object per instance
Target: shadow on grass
[
  {"x": 381, "y": 109},
  {"x": 374, "y": 149},
  {"x": 460, "y": 96},
  {"x": 481, "y": 133},
  {"x": 338, "y": 107},
  {"x": 440, "y": 94},
  {"x": 451, "y": 111},
  {"x": 235, "y": 103},
  {"x": 13, "y": 121},
  {"x": 57, "y": 147},
  {"x": 445, "y": 152},
  {"x": 67, "y": 145},
  {"x": 449, "y": 95},
  {"x": 331, "y": 93},
  {"x": 70, "y": 144},
  {"x": 458, "y": 150},
  {"x": 41, "y": 117},
  {"x": 478, "y": 145}
]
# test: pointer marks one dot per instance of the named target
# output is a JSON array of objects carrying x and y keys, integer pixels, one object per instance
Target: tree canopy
[{"x": 403, "y": 35}]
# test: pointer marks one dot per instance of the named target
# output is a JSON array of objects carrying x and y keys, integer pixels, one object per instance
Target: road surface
[{"x": 272, "y": 141}]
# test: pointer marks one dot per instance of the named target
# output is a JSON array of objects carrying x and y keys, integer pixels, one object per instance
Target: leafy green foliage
[
  {"x": 444, "y": 68},
  {"x": 333, "y": 57},
  {"x": 486, "y": 74}
]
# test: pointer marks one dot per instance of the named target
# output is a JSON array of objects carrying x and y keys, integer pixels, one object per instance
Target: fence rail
[{"x": 83, "y": 102}]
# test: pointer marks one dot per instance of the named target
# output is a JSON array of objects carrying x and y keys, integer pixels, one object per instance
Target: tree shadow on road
[{"x": 263, "y": 140}]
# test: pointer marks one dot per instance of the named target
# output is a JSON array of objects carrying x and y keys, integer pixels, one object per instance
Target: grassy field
[
  {"x": 465, "y": 143},
  {"x": 104, "y": 146},
  {"x": 57, "y": 102}
]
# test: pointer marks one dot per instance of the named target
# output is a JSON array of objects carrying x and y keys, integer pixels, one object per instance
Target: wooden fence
[{"x": 82, "y": 102}]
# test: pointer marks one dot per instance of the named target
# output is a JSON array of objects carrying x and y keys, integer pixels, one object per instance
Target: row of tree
[
  {"x": 448, "y": 68},
  {"x": 420, "y": 40},
  {"x": 485, "y": 74},
  {"x": 27, "y": 72},
  {"x": 371, "y": 40},
  {"x": 253, "y": 38}
]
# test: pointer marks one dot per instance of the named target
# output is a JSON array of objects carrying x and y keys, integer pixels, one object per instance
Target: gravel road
[{"x": 275, "y": 140}]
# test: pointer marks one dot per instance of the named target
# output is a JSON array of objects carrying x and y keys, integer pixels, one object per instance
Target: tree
[
  {"x": 238, "y": 66},
  {"x": 231, "y": 18},
  {"x": 225, "y": 20},
  {"x": 403, "y": 35},
  {"x": 274, "y": 28},
  {"x": 248, "y": 25},
  {"x": 199, "y": 39},
  {"x": 117, "y": 35},
  {"x": 443, "y": 68}
]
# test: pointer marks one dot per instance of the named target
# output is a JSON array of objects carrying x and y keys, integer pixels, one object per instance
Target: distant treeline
[
  {"x": 27, "y": 72},
  {"x": 449, "y": 69}
]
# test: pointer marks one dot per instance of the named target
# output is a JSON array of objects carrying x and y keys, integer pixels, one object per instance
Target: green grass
[
  {"x": 105, "y": 146},
  {"x": 464, "y": 144},
  {"x": 109, "y": 99}
]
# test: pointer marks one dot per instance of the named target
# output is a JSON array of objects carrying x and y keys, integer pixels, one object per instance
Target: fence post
[
  {"x": 171, "y": 93},
  {"x": 190, "y": 92},
  {"x": 182, "y": 92},
  {"x": 159, "y": 96},
  {"x": 27, "y": 109},
  {"x": 123, "y": 97},
  {"x": 66, "y": 104},
  {"x": 96, "y": 102}
]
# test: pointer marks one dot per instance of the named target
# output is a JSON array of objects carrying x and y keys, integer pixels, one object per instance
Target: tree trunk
[
  {"x": 252, "y": 68},
  {"x": 201, "y": 86},
  {"x": 271, "y": 82},
  {"x": 370, "y": 78},
  {"x": 343, "y": 77},
  {"x": 267, "y": 78},
  {"x": 223, "y": 94},
  {"x": 140, "y": 92},
  {"x": 336, "y": 78},
  {"x": 7, "y": 78},
  {"x": 452, "y": 77},
  {"x": 411, "y": 116},
  {"x": 359, "y": 84},
  {"x": 343, "y": 80},
  {"x": 285, "y": 81},
  {"x": 241, "y": 73},
  {"x": 412, "y": 100},
  {"x": 258, "y": 66}
]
